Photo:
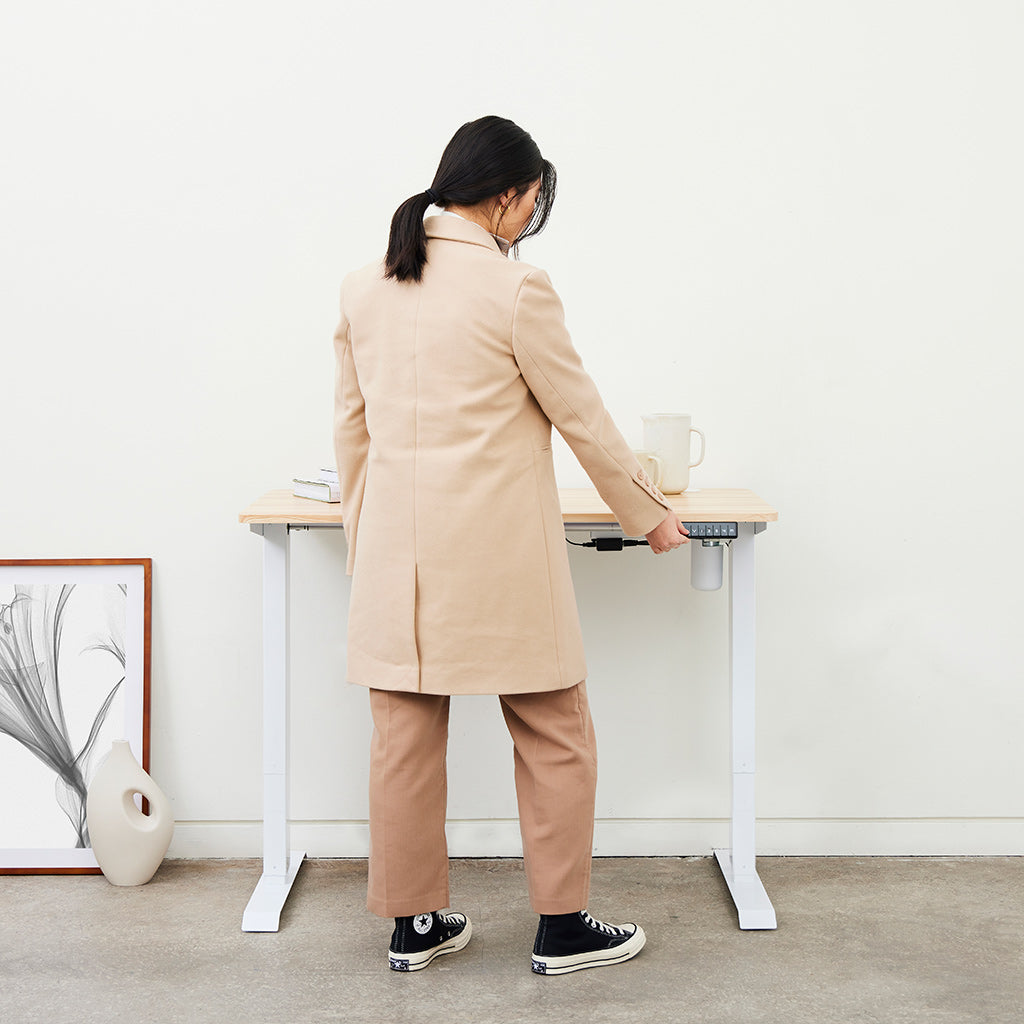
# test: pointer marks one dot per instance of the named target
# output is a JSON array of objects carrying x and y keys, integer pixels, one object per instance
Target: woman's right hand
[{"x": 668, "y": 534}]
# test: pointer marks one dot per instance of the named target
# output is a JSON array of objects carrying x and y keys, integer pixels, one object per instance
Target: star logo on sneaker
[{"x": 422, "y": 923}]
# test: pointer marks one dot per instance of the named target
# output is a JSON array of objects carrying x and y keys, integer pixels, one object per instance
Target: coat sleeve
[
  {"x": 554, "y": 372},
  {"x": 351, "y": 439}
]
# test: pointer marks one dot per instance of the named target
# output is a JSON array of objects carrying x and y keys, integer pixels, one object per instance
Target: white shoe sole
[
  {"x": 597, "y": 958},
  {"x": 406, "y": 962}
]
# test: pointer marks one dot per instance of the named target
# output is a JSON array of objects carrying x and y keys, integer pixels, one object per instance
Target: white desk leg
[
  {"x": 738, "y": 863},
  {"x": 263, "y": 913}
]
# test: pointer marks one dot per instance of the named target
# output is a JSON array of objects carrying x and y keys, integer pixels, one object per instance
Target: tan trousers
[{"x": 556, "y": 779}]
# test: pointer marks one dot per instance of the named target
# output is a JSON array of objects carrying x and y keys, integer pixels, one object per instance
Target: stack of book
[{"x": 323, "y": 488}]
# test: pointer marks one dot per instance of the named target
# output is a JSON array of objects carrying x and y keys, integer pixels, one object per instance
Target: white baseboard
[{"x": 810, "y": 837}]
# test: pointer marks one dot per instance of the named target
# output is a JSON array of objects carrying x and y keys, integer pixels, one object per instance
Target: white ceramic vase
[{"x": 129, "y": 846}]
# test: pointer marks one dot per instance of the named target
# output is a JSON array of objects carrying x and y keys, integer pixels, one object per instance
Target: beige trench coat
[{"x": 445, "y": 396}]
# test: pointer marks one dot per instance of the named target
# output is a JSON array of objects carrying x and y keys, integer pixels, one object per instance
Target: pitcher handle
[{"x": 700, "y": 433}]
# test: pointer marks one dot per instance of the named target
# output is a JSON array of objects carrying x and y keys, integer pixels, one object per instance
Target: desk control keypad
[{"x": 712, "y": 531}]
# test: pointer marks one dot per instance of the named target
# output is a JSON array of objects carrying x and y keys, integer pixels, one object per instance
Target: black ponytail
[
  {"x": 485, "y": 158},
  {"x": 407, "y": 246}
]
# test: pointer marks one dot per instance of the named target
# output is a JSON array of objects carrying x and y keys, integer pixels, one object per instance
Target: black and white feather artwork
[{"x": 62, "y": 678}]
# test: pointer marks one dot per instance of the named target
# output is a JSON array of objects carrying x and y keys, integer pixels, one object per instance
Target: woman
[{"x": 453, "y": 364}]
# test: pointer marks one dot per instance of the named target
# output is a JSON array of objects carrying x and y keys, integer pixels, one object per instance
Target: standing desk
[{"x": 277, "y": 513}]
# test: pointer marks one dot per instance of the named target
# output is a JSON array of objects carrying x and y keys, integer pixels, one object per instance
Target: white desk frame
[
  {"x": 281, "y": 865},
  {"x": 738, "y": 862}
]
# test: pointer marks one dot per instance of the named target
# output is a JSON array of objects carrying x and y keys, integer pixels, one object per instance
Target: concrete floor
[{"x": 859, "y": 940}]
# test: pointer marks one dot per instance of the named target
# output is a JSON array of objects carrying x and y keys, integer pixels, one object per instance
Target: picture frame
[{"x": 74, "y": 676}]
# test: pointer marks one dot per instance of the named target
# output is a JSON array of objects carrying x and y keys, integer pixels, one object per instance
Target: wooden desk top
[{"x": 579, "y": 505}]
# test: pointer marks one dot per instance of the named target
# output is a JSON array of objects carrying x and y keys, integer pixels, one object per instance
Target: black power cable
[{"x": 608, "y": 543}]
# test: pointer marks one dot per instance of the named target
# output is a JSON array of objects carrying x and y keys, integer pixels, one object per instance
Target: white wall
[{"x": 812, "y": 212}]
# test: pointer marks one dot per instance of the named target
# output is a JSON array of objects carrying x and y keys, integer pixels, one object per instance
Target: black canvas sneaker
[
  {"x": 417, "y": 940},
  {"x": 571, "y": 942}
]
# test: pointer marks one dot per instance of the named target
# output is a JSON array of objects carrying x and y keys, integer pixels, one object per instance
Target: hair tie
[{"x": 431, "y": 195}]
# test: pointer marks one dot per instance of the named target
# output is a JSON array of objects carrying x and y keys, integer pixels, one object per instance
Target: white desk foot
[
  {"x": 755, "y": 909},
  {"x": 263, "y": 912}
]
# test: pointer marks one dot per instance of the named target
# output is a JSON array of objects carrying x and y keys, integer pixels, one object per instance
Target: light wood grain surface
[{"x": 579, "y": 505}]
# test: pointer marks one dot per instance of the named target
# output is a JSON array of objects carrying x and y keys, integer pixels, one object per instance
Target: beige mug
[
  {"x": 650, "y": 464},
  {"x": 668, "y": 436}
]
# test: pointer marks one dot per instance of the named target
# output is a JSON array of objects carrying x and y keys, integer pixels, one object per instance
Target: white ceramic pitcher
[{"x": 668, "y": 436}]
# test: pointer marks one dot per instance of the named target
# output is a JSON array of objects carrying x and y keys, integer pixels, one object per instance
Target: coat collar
[{"x": 455, "y": 229}]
